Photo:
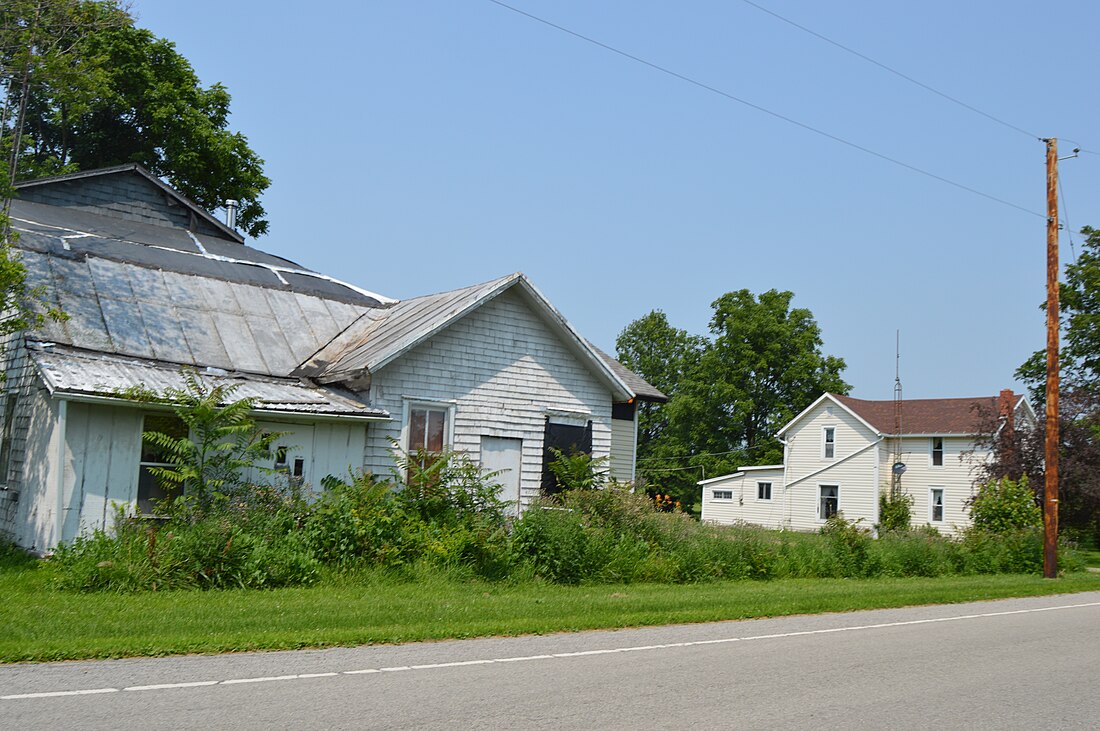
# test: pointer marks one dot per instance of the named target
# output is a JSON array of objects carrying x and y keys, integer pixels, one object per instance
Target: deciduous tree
[
  {"x": 88, "y": 89},
  {"x": 729, "y": 393}
]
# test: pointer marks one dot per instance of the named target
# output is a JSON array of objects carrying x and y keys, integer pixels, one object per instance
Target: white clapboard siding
[
  {"x": 956, "y": 477},
  {"x": 622, "y": 449}
]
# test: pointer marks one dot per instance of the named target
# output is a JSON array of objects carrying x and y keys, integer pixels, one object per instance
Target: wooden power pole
[{"x": 1050, "y": 488}]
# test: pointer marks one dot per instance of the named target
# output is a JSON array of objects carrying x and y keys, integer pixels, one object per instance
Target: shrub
[
  {"x": 223, "y": 442},
  {"x": 1005, "y": 506},
  {"x": 209, "y": 553},
  {"x": 894, "y": 511},
  {"x": 850, "y": 547},
  {"x": 577, "y": 471}
]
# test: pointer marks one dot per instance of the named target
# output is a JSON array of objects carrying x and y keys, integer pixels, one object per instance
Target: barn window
[
  {"x": 5, "y": 439},
  {"x": 151, "y": 488},
  {"x": 428, "y": 429},
  {"x": 569, "y": 439}
]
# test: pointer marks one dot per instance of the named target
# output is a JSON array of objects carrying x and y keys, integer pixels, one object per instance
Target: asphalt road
[{"x": 1021, "y": 663}]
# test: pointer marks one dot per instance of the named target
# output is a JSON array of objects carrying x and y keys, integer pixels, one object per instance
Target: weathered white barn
[
  {"x": 151, "y": 282},
  {"x": 839, "y": 453}
]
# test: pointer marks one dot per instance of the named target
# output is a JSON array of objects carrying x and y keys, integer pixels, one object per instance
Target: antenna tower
[{"x": 897, "y": 467}]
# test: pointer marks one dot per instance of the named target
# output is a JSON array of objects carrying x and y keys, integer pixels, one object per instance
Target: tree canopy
[
  {"x": 87, "y": 89},
  {"x": 1022, "y": 453},
  {"x": 728, "y": 393}
]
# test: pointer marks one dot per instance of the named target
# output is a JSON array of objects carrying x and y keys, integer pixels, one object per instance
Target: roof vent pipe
[{"x": 231, "y": 213}]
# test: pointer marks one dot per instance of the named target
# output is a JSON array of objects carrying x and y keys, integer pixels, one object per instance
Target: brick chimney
[{"x": 1006, "y": 407}]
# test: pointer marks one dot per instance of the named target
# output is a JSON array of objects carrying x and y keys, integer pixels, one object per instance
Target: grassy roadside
[{"x": 41, "y": 623}]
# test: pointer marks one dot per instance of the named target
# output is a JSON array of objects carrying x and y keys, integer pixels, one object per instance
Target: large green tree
[
  {"x": 88, "y": 89},
  {"x": 729, "y": 393},
  {"x": 1079, "y": 399}
]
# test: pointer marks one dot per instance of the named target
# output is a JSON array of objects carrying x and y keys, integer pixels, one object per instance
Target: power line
[
  {"x": 757, "y": 107},
  {"x": 908, "y": 78},
  {"x": 892, "y": 70},
  {"x": 1065, "y": 213}
]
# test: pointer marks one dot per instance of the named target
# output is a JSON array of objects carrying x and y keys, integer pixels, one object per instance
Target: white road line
[
  {"x": 59, "y": 693},
  {"x": 555, "y": 656},
  {"x": 269, "y": 679},
  {"x": 168, "y": 686}
]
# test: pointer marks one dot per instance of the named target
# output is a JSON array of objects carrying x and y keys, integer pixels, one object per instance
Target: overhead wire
[
  {"x": 908, "y": 78},
  {"x": 1065, "y": 214},
  {"x": 765, "y": 110},
  {"x": 890, "y": 69}
]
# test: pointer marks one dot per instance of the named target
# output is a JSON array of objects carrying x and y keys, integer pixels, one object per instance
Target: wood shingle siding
[{"x": 504, "y": 371}]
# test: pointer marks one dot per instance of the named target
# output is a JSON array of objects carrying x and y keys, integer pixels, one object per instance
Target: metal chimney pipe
[{"x": 231, "y": 212}]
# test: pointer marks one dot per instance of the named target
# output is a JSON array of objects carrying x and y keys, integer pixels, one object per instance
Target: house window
[
  {"x": 936, "y": 505},
  {"x": 151, "y": 488},
  {"x": 829, "y": 442},
  {"x": 829, "y": 502},
  {"x": 723, "y": 494},
  {"x": 763, "y": 491},
  {"x": 427, "y": 434},
  {"x": 937, "y": 451},
  {"x": 569, "y": 439},
  {"x": 5, "y": 439}
]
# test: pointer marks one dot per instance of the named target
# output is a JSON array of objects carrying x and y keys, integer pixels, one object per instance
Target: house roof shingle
[{"x": 927, "y": 416}]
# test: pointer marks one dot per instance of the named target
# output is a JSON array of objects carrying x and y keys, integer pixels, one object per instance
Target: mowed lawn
[{"x": 41, "y": 623}]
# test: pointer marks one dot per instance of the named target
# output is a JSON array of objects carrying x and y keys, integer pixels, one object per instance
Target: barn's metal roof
[
  {"x": 373, "y": 342},
  {"x": 133, "y": 288},
  {"x": 70, "y": 372},
  {"x": 175, "y": 305}
]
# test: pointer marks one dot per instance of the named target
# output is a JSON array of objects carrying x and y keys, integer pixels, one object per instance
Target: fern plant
[
  {"x": 223, "y": 442},
  {"x": 578, "y": 471}
]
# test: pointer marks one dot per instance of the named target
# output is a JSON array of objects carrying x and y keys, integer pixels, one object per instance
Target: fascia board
[
  {"x": 720, "y": 478},
  {"x": 812, "y": 406}
]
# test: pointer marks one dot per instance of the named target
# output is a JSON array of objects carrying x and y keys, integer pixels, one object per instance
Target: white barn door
[{"x": 504, "y": 455}]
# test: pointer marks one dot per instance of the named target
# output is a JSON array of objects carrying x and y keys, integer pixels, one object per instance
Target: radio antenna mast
[{"x": 898, "y": 466}]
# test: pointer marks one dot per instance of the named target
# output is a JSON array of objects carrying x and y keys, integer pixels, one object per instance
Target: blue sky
[{"x": 417, "y": 146}]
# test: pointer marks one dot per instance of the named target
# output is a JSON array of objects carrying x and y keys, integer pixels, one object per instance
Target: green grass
[{"x": 41, "y": 623}]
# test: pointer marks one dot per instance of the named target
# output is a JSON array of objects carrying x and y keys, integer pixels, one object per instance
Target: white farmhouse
[
  {"x": 151, "y": 283},
  {"x": 839, "y": 456}
]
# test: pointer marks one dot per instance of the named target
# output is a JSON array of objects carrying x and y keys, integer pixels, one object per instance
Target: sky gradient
[{"x": 417, "y": 146}]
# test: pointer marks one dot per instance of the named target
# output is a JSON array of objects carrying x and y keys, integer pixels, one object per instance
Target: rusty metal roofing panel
[
  {"x": 402, "y": 326},
  {"x": 121, "y": 308},
  {"x": 75, "y": 373}
]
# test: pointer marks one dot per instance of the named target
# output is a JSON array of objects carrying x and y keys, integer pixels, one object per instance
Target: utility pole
[{"x": 1050, "y": 488}]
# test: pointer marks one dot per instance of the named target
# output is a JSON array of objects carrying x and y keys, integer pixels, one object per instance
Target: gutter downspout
[
  {"x": 62, "y": 421},
  {"x": 875, "y": 477},
  {"x": 783, "y": 525}
]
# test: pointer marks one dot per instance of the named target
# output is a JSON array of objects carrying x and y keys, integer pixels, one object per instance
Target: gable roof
[
  {"x": 379, "y": 338},
  {"x": 150, "y": 291},
  {"x": 961, "y": 416},
  {"x": 138, "y": 281},
  {"x": 32, "y": 187}
]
